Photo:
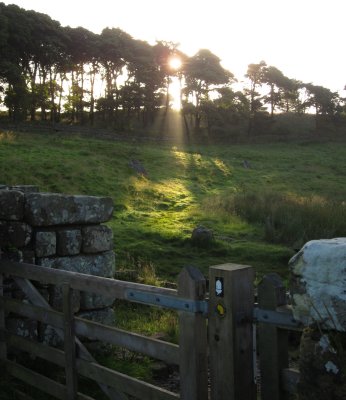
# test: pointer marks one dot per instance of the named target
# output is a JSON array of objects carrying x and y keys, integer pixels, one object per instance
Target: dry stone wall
[{"x": 63, "y": 232}]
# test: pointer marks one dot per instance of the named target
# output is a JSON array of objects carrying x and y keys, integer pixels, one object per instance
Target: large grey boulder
[
  {"x": 47, "y": 209},
  {"x": 318, "y": 283},
  {"x": 11, "y": 205}
]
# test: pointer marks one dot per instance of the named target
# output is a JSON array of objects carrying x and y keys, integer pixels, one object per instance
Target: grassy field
[
  {"x": 262, "y": 202},
  {"x": 184, "y": 187}
]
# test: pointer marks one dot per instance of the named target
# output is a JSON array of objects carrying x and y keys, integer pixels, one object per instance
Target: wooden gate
[{"x": 216, "y": 352}]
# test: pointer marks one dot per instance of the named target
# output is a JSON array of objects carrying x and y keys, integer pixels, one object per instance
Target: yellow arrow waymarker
[{"x": 221, "y": 310}]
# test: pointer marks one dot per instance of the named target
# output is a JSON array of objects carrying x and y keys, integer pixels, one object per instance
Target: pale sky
[{"x": 305, "y": 39}]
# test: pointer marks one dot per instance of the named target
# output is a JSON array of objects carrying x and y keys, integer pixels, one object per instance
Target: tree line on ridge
[{"x": 55, "y": 73}]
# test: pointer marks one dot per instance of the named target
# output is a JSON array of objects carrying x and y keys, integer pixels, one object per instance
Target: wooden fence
[{"x": 216, "y": 354}]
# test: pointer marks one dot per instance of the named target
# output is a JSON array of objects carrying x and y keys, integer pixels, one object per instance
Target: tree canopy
[{"x": 52, "y": 72}]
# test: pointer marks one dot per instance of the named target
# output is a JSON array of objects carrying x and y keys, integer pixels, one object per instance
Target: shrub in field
[{"x": 286, "y": 218}]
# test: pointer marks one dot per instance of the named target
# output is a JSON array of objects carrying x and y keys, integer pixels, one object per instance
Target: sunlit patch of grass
[
  {"x": 220, "y": 164},
  {"x": 186, "y": 159},
  {"x": 148, "y": 321},
  {"x": 7, "y": 137},
  {"x": 141, "y": 270}
]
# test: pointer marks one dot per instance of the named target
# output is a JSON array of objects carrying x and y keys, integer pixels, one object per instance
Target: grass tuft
[{"x": 288, "y": 219}]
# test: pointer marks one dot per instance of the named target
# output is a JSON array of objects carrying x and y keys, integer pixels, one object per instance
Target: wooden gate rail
[
  {"x": 88, "y": 283},
  {"x": 154, "y": 348},
  {"x": 41, "y": 382}
]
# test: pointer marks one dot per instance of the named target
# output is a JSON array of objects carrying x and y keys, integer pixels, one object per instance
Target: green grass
[
  {"x": 155, "y": 215},
  {"x": 286, "y": 218},
  {"x": 250, "y": 210}
]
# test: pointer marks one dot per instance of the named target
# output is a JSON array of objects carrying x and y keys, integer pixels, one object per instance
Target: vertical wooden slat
[
  {"x": 273, "y": 342},
  {"x": 69, "y": 345},
  {"x": 3, "y": 350},
  {"x": 192, "y": 339},
  {"x": 231, "y": 333}
]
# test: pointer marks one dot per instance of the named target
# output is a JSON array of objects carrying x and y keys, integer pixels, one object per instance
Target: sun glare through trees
[{"x": 175, "y": 63}]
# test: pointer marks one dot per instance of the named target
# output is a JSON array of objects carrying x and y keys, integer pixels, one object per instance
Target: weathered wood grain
[
  {"x": 193, "y": 338},
  {"x": 95, "y": 284},
  {"x": 164, "y": 351},
  {"x": 273, "y": 341},
  {"x": 41, "y": 382},
  {"x": 231, "y": 305}
]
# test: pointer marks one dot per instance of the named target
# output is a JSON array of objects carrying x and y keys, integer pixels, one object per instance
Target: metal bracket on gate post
[
  {"x": 175, "y": 303},
  {"x": 278, "y": 318}
]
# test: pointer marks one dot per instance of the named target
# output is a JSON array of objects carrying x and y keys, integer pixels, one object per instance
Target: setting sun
[{"x": 175, "y": 63}]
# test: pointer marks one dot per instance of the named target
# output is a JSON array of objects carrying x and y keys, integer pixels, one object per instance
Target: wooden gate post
[
  {"x": 192, "y": 338},
  {"x": 231, "y": 332},
  {"x": 273, "y": 341}
]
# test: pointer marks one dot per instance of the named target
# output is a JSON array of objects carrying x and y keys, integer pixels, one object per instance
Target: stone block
[
  {"x": 105, "y": 316},
  {"x": 29, "y": 256},
  {"x": 11, "y": 205},
  {"x": 45, "y": 243},
  {"x": 91, "y": 301},
  {"x": 12, "y": 255},
  {"x": 56, "y": 298},
  {"x": 49, "y": 336},
  {"x": 15, "y": 233},
  {"x": 97, "y": 239},
  {"x": 22, "y": 327},
  {"x": 47, "y": 209},
  {"x": 318, "y": 283},
  {"x": 99, "y": 264},
  {"x": 69, "y": 242}
]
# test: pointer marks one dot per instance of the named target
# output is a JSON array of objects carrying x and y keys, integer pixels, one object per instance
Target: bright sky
[{"x": 305, "y": 39}]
